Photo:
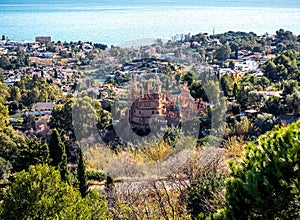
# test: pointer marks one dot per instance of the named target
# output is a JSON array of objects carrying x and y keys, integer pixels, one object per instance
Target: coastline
[{"x": 113, "y": 27}]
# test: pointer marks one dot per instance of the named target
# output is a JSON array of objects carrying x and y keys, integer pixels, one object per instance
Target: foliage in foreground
[
  {"x": 40, "y": 194},
  {"x": 265, "y": 184},
  {"x": 206, "y": 193}
]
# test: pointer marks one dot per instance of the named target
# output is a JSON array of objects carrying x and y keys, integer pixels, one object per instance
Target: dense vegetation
[{"x": 40, "y": 193}]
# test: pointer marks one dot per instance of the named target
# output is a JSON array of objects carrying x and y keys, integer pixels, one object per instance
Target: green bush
[{"x": 93, "y": 174}]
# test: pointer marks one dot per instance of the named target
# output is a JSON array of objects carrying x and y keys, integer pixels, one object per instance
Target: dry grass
[
  {"x": 234, "y": 147},
  {"x": 152, "y": 153},
  {"x": 159, "y": 160},
  {"x": 149, "y": 160}
]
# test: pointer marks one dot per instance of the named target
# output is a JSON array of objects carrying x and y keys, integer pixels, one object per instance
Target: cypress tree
[
  {"x": 32, "y": 152},
  {"x": 82, "y": 178},
  {"x": 58, "y": 155},
  {"x": 1, "y": 75},
  {"x": 110, "y": 190}
]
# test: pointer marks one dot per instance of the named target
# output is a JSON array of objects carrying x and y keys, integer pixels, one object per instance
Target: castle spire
[{"x": 133, "y": 88}]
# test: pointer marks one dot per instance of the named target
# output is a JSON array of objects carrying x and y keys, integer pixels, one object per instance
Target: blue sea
[{"x": 116, "y": 21}]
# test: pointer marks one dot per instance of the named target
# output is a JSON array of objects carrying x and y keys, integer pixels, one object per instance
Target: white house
[{"x": 245, "y": 66}]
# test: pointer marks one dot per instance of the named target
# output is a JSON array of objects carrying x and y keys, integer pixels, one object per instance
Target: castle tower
[
  {"x": 133, "y": 87},
  {"x": 149, "y": 88},
  {"x": 158, "y": 85},
  {"x": 185, "y": 94},
  {"x": 141, "y": 91}
]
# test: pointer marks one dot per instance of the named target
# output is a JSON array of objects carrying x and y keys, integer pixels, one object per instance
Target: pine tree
[
  {"x": 58, "y": 155},
  {"x": 265, "y": 184},
  {"x": 82, "y": 178}
]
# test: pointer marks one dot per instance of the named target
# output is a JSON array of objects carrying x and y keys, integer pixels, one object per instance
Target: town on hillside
[
  {"x": 200, "y": 127},
  {"x": 254, "y": 73}
]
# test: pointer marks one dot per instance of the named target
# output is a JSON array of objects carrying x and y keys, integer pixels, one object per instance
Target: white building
[{"x": 246, "y": 66}]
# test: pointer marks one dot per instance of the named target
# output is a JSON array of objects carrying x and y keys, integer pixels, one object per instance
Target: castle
[{"x": 154, "y": 106}]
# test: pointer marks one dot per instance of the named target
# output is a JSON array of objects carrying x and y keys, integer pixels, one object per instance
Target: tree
[
  {"x": 4, "y": 92},
  {"x": 84, "y": 117},
  {"x": 273, "y": 106},
  {"x": 235, "y": 47},
  {"x": 226, "y": 83},
  {"x": 235, "y": 90},
  {"x": 32, "y": 96},
  {"x": 104, "y": 119},
  {"x": 284, "y": 66},
  {"x": 82, "y": 177},
  {"x": 205, "y": 193},
  {"x": 32, "y": 153},
  {"x": 110, "y": 190},
  {"x": 13, "y": 107},
  {"x": 293, "y": 102},
  {"x": 212, "y": 90},
  {"x": 256, "y": 99},
  {"x": 290, "y": 87},
  {"x": 28, "y": 123},
  {"x": 158, "y": 41},
  {"x": 4, "y": 62},
  {"x": 10, "y": 141},
  {"x": 100, "y": 46},
  {"x": 281, "y": 34},
  {"x": 231, "y": 65},
  {"x": 197, "y": 91},
  {"x": 265, "y": 184},
  {"x": 81, "y": 114},
  {"x": 5, "y": 168},
  {"x": 222, "y": 53},
  {"x": 1, "y": 75},
  {"x": 218, "y": 116},
  {"x": 189, "y": 77},
  {"x": 62, "y": 118},
  {"x": 37, "y": 89},
  {"x": 264, "y": 82},
  {"x": 97, "y": 204},
  {"x": 58, "y": 157},
  {"x": 39, "y": 193},
  {"x": 3, "y": 115},
  {"x": 64, "y": 54},
  {"x": 264, "y": 122},
  {"x": 270, "y": 70}
]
